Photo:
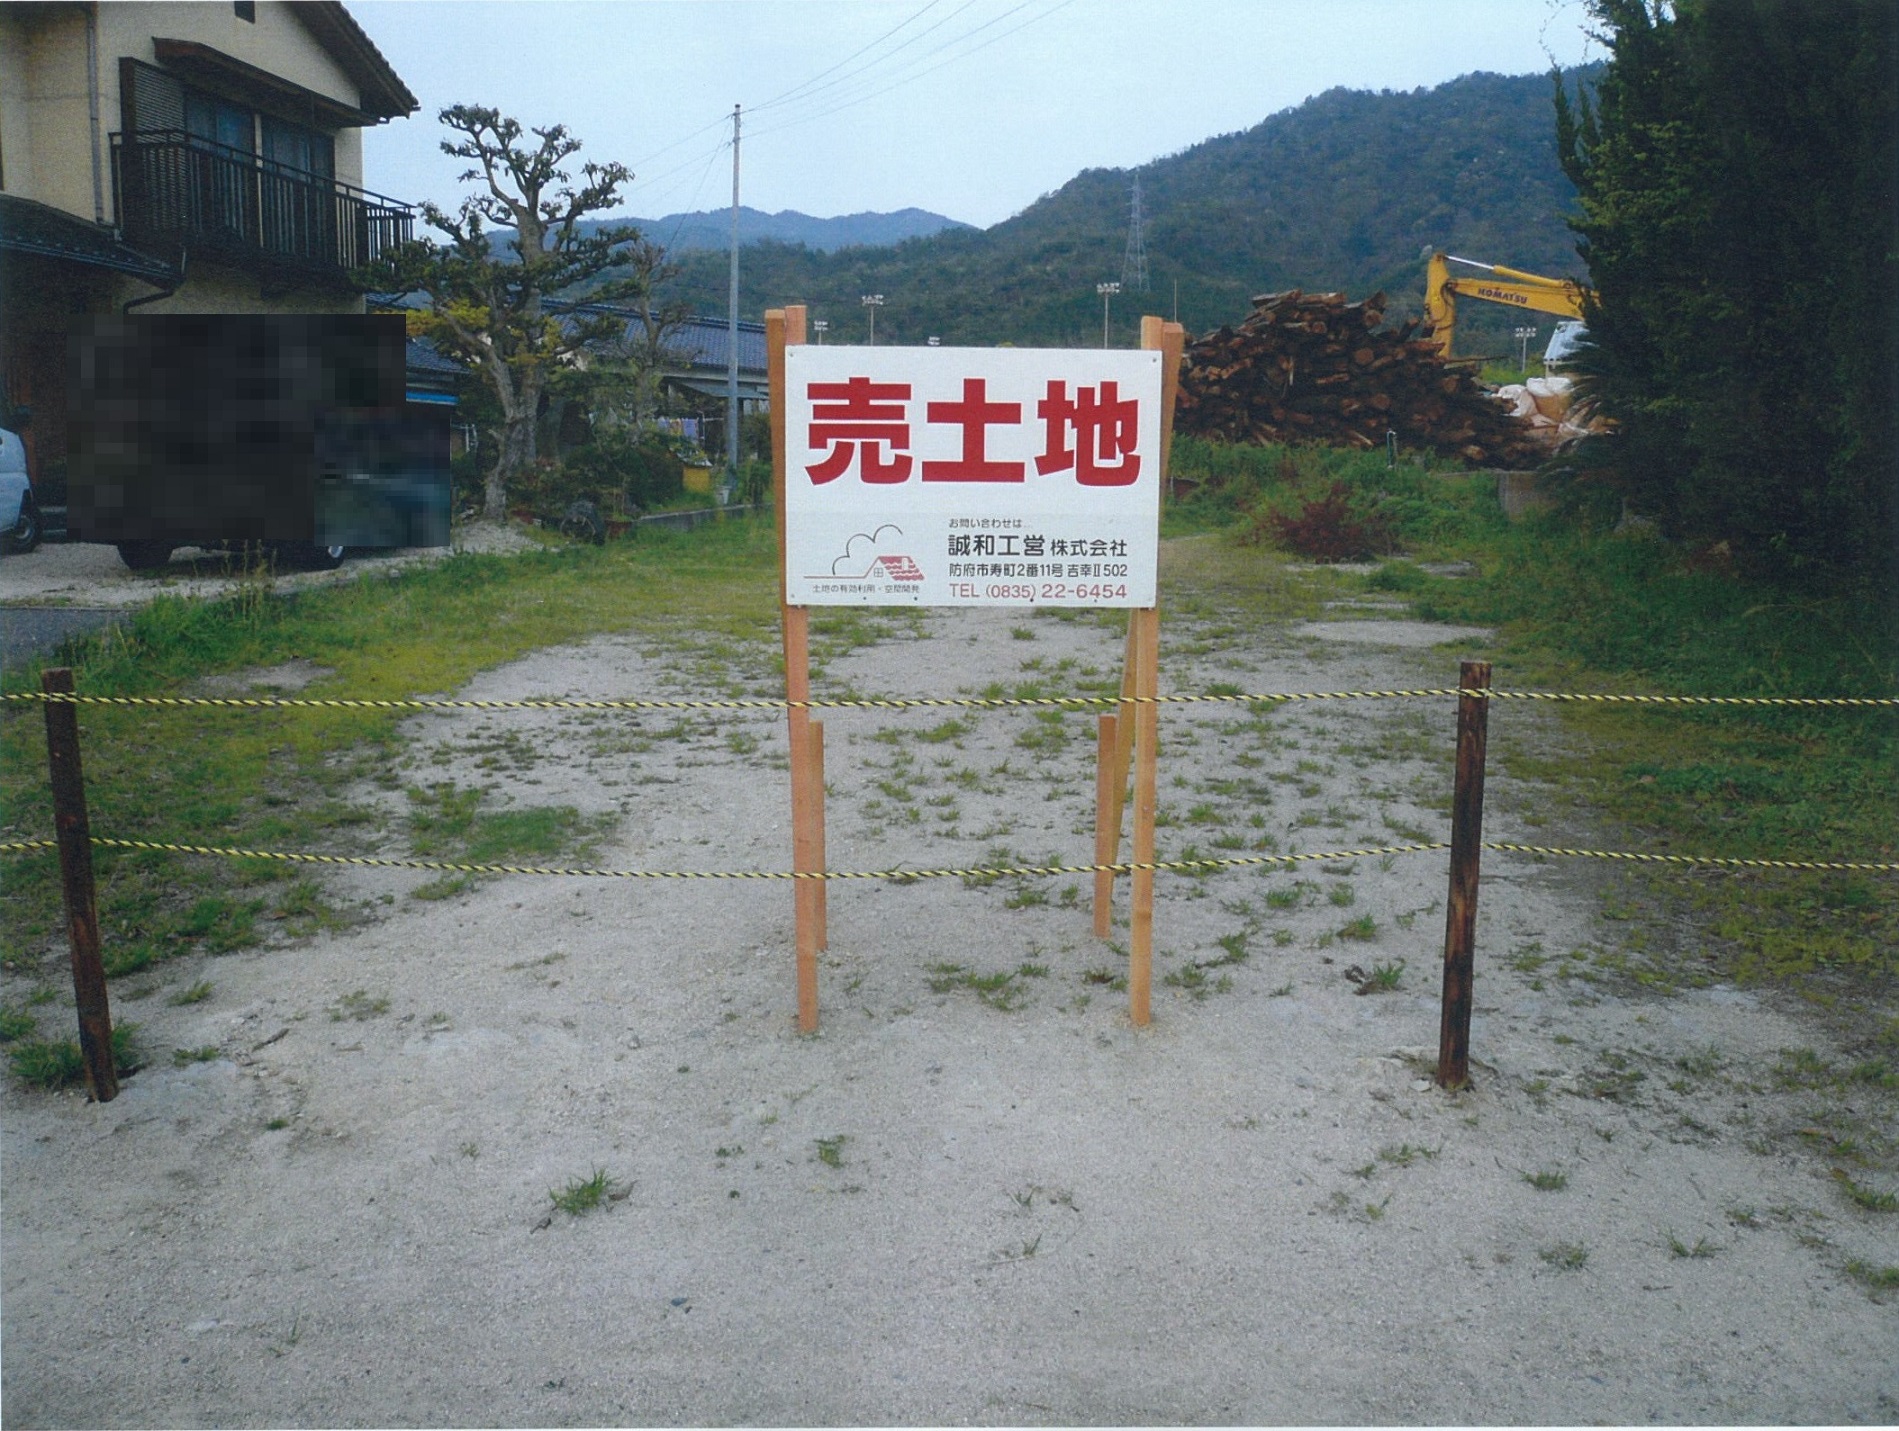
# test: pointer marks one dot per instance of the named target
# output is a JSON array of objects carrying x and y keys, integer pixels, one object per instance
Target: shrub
[
  {"x": 643, "y": 471},
  {"x": 1326, "y": 528}
]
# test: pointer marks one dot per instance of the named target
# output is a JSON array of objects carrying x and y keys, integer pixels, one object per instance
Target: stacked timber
[{"x": 1311, "y": 367}]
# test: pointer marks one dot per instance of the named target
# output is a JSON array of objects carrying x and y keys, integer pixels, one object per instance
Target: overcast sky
[{"x": 970, "y": 108}]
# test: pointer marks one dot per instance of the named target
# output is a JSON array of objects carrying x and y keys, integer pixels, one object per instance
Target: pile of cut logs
[{"x": 1311, "y": 367}]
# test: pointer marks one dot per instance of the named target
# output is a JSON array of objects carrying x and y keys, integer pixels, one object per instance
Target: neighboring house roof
[
  {"x": 432, "y": 376},
  {"x": 694, "y": 350},
  {"x": 27, "y": 226},
  {"x": 384, "y": 95},
  {"x": 699, "y": 344},
  {"x": 705, "y": 343},
  {"x": 425, "y": 357},
  {"x": 381, "y": 92}
]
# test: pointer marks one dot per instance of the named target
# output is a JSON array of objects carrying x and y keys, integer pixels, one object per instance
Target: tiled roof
[
  {"x": 705, "y": 343},
  {"x": 700, "y": 343},
  {"x": 425, "y": 357},
  {"x": 27, "y": 226},
  {"x": 384, "y": 95}
]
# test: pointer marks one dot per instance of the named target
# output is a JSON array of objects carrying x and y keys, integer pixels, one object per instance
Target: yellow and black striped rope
[
  {"x": 985, "y": 872},
  {"x": 1714, "y": 860},
  {"x": 921, "y": 702},
  {"x": 1687, "y": 700},
  {"x": 559, "y": 704},
  {"x": 450, "y": 867}
]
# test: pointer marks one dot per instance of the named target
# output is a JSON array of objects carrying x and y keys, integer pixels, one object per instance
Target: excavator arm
[{"x": 1509, "y": 286}]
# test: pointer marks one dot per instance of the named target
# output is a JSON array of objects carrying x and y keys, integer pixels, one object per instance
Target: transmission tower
[{"x": 1134, "y": 262}]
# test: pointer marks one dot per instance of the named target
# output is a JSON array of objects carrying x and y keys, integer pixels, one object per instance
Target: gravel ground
[{"x": 978, "y": 1195}]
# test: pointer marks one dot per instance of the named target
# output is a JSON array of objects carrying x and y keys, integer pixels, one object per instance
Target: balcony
[{"x": 295, "y": 229}]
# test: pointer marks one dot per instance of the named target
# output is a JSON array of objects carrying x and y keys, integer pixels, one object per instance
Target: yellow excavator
[{"x": 1509, "y": 286}]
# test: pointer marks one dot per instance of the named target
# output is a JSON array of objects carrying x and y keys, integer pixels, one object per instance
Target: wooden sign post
[
  {"x": 1133, "y": 732},
  {"x": 785, "y": 326},
  {"x": 918, "y": 471}
]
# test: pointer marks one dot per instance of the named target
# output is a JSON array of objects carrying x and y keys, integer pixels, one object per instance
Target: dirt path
[{"x": 979, "y": 1195}]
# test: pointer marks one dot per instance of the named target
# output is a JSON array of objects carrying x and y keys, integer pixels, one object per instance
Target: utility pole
[
  {"x": 1107, "y": 292},
  {"x": 873, "y": 301},
  {"x": 731, "y": 329}
]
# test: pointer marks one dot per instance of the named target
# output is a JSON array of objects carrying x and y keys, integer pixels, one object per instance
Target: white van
[{"x": 19, "y": 513}]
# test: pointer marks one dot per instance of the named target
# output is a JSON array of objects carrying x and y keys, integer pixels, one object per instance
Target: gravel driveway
[{"x": 979, "y": 1195}]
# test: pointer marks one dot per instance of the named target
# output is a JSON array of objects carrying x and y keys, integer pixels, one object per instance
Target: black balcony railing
[{"x": 173, "y": 188}]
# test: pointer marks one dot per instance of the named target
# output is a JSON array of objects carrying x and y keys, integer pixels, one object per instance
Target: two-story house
[{"x": 178, "y": 157}]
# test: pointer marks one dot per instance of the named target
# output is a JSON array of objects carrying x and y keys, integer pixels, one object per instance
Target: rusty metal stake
[
  {"x": 1467, "y": 837},
  {"x": 75, "y": 870}
]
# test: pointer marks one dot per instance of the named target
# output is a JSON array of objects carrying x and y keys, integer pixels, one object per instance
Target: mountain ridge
[{"x": 1348, "y": 191}]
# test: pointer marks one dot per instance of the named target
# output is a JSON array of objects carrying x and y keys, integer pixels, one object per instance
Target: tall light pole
[
  {"x": 873, "y": 301},
  {"x": 1523, "y": 336},
  {"x": 820, "y": 324},
  {"x": 1107, "y": 292}
]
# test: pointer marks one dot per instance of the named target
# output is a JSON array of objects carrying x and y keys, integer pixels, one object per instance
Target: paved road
[{"x": 29, "y": 631}]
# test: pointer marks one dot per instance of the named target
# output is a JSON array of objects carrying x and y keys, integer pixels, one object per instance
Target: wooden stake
[
  {"x": 817, "y": 785},
  {"x": 1460, "y": 915},
  {"x": 1146, "y": 622},
  {"x": 74, "y": 832},
  {"x": 784, "y": 327},
  {"x": 1114, "y": 778},
  {"x": 1143, "y": 673},
  {"x": 1107, "y": 822}
]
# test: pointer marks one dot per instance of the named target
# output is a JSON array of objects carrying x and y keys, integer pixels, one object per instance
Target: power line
[
  {"x": 912, "y": 73},
  {"x": 794, "y": 93}
]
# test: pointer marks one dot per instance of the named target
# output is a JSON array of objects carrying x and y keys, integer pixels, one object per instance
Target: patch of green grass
[
  {"x": 831, "y": 1150},
  {"x": 16, "y": 1024},
  {"x": 1868, "y": 1199},
  {"x": 1615, "y": 1079},
  {"x": 999, "y": 990},
  {"x": 185, "y": 1057},
  {"x": 48, "y": 1063},
  {"x": 277, "y": 778},
  {"x": 1627, "y": 613},
  {"x": 58, "y": 1063},
  {"x": 1548, "y": 1180},
  {"x": 1565, "y": 1256},
  {"x": 1700, "y": 1248},
  {"x": 358, "y": 1005},
  {"x": 582, "y": 1195},
  {"x": 448, "y": 823},
  {"x": 949, "y": 730},
  {"x": 1385, "y": 978},
  {"x": 191, "y": 994},
  {"x": 443, "y": 887},
  {"x": 1873, "y": 1276}
]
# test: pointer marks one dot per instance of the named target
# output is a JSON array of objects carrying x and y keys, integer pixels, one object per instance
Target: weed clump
[{"x": 1328, "y": 528}]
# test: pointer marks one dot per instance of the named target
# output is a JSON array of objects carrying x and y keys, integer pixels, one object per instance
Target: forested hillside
[{"x": 1343, "y": 192}]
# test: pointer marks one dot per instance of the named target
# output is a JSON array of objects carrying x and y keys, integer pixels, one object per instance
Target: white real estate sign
[{"x": 971, "y": 476}]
